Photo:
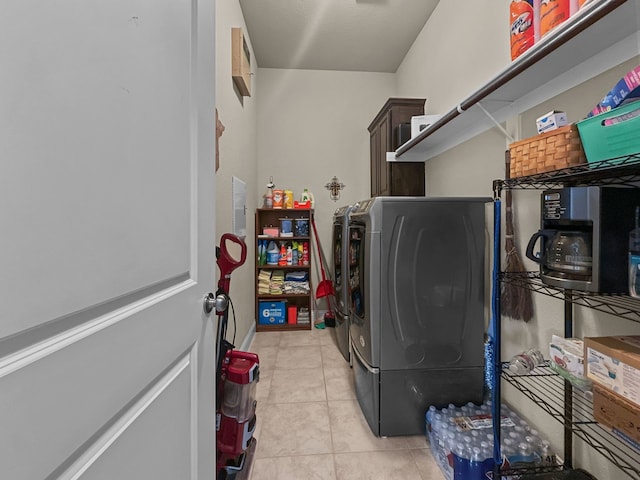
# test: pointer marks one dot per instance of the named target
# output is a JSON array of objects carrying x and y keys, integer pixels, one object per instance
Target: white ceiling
[{"x": 351, "y": 35}]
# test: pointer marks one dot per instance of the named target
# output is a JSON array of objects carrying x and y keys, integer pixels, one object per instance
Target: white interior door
[{"x": 107, "y": 134}]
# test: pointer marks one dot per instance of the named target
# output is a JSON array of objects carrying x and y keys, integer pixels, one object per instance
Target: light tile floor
[{"x": 310, "y": 426}]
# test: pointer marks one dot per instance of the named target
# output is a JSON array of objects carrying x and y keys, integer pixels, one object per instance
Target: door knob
[
  {"x": 209, "y": 303},
  {"x": 220, "y": 303}
]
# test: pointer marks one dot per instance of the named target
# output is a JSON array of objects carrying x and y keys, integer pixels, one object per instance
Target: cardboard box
[
  {"x": 550, "y": 121},
  {"x": 614, "y": 363},
  {"x": 273, "y": 313},
  {"x": 614, "y": 412},
  {"x": 420, "y": 122}
]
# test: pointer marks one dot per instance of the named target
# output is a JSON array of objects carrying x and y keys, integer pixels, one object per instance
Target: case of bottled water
[{"x": 461, "y": 441}]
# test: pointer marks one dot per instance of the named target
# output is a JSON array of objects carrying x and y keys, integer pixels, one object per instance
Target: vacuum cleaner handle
[{"x": 226, "y": 262}]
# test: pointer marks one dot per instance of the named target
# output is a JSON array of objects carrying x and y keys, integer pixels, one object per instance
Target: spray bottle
[{"x": 268, "y": 198}]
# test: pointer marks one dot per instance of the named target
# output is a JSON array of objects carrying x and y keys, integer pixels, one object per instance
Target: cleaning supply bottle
[
  {"x": 552, "y": 14},
  {"x": 268, "y": 198},
  {"x": 307, "y": 196},
  {"x": 634, "y": 258},
  {"x": 283, "y": 255},
  {"x": 289, "y": 255},
  {"x": 522, "y": 20},
  {"x": 272, "y": 253},
  {"x": 262, "y": 252},
  {"x": 287, "y": 198}
]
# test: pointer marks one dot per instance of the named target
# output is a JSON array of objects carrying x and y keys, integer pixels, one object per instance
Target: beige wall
[
  {"x": 461, "y": 47},
  {"x": 313, "y": 126},
  {"x": 238, "y": 157}
]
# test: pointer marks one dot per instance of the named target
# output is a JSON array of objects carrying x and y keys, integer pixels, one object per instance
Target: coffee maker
[{"x": 584, "y": 237}]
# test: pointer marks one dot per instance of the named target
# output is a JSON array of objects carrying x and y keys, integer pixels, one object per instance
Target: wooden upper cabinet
[{"x": 397, "y": 178}]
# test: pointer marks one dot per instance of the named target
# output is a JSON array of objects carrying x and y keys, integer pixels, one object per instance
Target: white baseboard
[{"x": 246, "y": 342}]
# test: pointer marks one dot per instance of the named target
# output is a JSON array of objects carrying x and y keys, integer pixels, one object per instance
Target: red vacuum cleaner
[
  {"x": 325, "y": 287},
  {"x": 237, "y": 374}
]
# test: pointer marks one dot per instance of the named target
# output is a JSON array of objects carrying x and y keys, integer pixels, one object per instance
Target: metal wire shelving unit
[
  {"x": 547, "y": 390},
  {"x": 567, "y": 404}
]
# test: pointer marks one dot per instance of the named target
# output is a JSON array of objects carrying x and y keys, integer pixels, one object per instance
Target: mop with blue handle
[
  {"x": 492, "y": 366},
  {"x": 490, "y": 341}
]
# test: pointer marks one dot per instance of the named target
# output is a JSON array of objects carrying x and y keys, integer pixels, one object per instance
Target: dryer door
[
  {"x": 432, "y": 293},
  {"x": 360, "y": 324},
  {"x": 339, "y": 269}
]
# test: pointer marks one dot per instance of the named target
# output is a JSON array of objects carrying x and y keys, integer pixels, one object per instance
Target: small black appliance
[{"x": 583, "y": 237}]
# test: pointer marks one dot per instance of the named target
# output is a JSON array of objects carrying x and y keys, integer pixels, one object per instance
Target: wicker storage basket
[{"x": 560, "y": 148}]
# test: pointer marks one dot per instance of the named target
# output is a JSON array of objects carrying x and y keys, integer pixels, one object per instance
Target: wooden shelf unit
[{"x": 270, "y": 217}]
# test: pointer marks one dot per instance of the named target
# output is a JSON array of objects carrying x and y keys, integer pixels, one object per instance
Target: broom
[{"x": 515, "y": 302}]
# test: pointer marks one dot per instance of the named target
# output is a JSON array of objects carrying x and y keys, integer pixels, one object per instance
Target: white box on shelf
[
  {"x": 550, "y": 121},
  {"x": 420, "y": 122}
]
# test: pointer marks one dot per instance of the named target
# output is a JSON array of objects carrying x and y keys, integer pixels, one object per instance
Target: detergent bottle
[
  {"x": 273, "y": 253},
  {"x": 282, "y": 259},
  {"x": 307, "y": 196}
]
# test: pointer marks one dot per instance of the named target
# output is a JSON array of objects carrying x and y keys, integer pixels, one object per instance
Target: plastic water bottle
[
  {"x": 524, "y": 362},
  {"x": 453, "y": 439},
  {"x": 461, "y": 457},
  {"x": 468, "y": 409},
  {"x": 438, "y": 438},
  {"x": 444, "y": 452},
  {"x": 547, "y": 455},
  {"x": 527, "y": 454},
  {"x": 428, "y": 421},
  {"x": 477, "y": 466},
  {"x": 436, "y": 428}
]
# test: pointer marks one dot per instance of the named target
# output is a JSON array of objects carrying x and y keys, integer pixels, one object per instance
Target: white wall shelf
[{"x": 591, "y": 42}]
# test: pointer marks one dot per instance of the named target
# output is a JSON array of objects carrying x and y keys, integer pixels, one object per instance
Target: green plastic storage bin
[{"x": 611, "y": 134}]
